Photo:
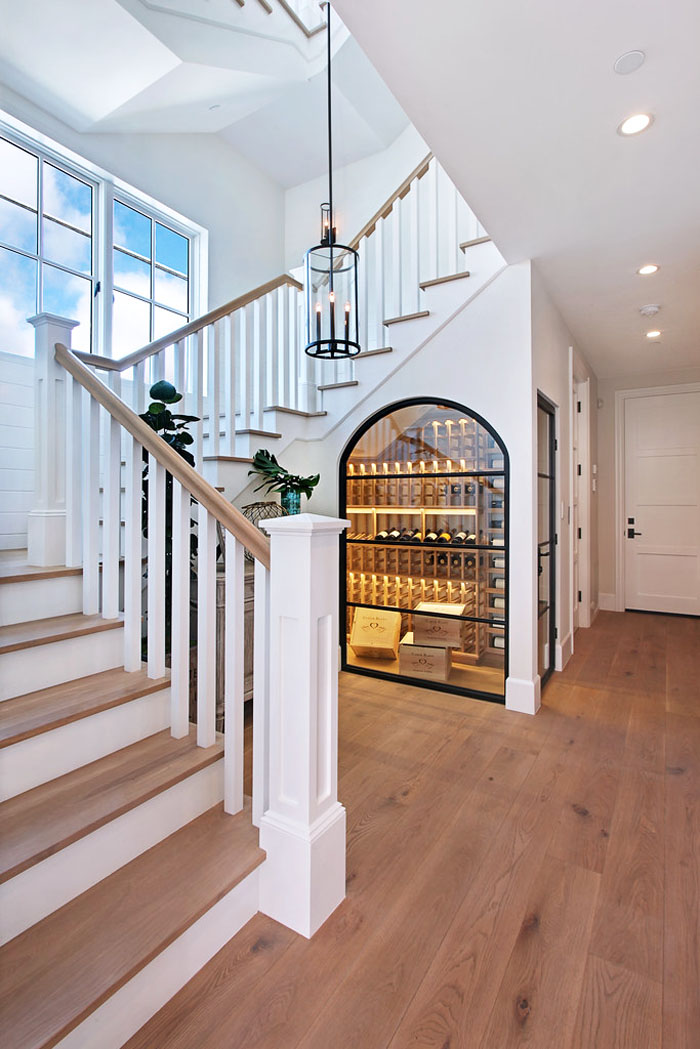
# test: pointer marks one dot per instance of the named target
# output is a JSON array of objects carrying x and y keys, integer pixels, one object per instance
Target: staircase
[{"x": 136, "y": 840}]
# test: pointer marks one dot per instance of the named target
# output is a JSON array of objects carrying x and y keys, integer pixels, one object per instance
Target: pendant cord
[{"x": 330, "y": 147}]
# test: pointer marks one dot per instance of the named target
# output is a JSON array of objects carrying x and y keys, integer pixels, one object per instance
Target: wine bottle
[
  {"x": 459, "y": 537},
  {"x": 395, "y": 534},
  {"x": 456, "y": 560},
  {"x": 412, "y": 535},
  {"x": 445, "y": 536},
  {"x": 430, "y": 536},
  {"x": 381, "y": 537},
  {"x": 442, "y": 559},
  {"x": 469, "y": 562},
  {"x": 470, "y": 540}
]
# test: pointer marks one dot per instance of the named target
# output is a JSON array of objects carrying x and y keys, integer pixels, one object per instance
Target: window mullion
[{"x": 106, "y": 263}]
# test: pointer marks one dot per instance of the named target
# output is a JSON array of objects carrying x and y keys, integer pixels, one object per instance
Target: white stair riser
[
  {"x": 31, "y": 599},
  {"x": 43, "y": 757},
  {"x": 148, "y": 991},
  {"x": 48, "y": 885},
  {"x": 41, "y": 666}
]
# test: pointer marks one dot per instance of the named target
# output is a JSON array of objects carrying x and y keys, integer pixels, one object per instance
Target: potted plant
[{"x": 276, "y": 478}]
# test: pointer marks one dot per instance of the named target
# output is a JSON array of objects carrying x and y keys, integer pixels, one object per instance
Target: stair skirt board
[
  {"x": 29, "y": 599},
  {"x": 129, "y": 1008},
  {"x": 40, "y": 666},
  {"x": 46, "y": 756},
  {"x": 48, "y": 885}
]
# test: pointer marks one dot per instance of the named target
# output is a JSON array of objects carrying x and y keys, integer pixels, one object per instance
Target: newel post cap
[
  {"x": 304, "y": 524},
  {"x": 52, "y": 318}
]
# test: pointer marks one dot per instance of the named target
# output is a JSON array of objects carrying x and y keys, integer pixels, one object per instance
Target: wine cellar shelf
[{"x": 425, "y": 558}]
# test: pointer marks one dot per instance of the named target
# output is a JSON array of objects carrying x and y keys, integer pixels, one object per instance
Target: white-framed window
[{"x": 79, "y": 243}]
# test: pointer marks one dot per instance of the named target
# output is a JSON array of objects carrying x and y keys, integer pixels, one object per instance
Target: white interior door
[{"x": 662, "y": 503}]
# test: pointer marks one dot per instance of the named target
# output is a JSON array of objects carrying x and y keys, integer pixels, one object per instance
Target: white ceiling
[
  {"x": 188, "y": 66},
  {"x": 521, "y": 104}
]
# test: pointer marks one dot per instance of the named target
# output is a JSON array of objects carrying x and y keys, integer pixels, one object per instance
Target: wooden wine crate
[
  {"x": 436, "y": 630},
  {"x": 432, "y": 662},
  {"x": 375, "y": 633}
]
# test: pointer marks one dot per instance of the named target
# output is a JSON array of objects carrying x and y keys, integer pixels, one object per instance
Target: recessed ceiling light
[
  {"x": 629, "y": 62},
  {"x": 645, "y": 271},
  {"x": 653, "y": 334},
  {"x": 634, "y": 124}
]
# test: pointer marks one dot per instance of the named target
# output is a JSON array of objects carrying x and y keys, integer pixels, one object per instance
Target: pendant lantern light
[{"x": 331, "y": 272}]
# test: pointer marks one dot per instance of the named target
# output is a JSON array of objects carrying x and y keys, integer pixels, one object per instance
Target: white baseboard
[
  {"x": 523, "y": 695},
  {"x": 29, "y": 669},
  {"x": 563, "y": 650},
  {"x": 44, "y": 757},
  {"x": 122, "y": 1015},
  {"x": 43, "y": 888},
  {"x": 607, "y": 602}
]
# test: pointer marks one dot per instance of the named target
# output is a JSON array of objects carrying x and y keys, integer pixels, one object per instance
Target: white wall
[
  {"x": 359, "y": 190},
  {"x": 606, "y": 463},
  {"x": 551, "y": 342},
  {"x": 200, "y": 176},
  {"x": 16, "y": 449}
]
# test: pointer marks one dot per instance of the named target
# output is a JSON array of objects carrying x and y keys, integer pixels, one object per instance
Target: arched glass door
[{"x": 425, "y": 560}]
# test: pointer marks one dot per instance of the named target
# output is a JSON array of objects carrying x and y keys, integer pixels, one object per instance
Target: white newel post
[
  {"x": 303, "y": 830},
  {"x": 46, "y": 522}
]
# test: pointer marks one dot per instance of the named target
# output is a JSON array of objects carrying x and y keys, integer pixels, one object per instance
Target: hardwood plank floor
[{"x": 512, "y": 881}]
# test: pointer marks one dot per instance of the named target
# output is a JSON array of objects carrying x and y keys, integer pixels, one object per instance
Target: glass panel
[
  {"x": 17, "y": 302},
  {"x": 171, "y": 290},
  {"x": 69, "y": 296},
  {"x": 164, "y": 321},
  {"x": 544, "y": 656},
  {"x": 426, "y": 550},
  {"x": 67, "y": 198},
  {"x": 17, "y": 226},
  {"x": 132, "y": 274},
  {"x": 131, "y": 324},
  {"x": 172, "y": 250},
  {"x": 132, "y": 230},
  {"x": 18, "y": 174},
  {"x": 66, "y": 246},
  {"x": 542, "y": 441}
]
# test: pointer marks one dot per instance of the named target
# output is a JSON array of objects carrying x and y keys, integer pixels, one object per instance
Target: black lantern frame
[{"x": 332, "y": 314}]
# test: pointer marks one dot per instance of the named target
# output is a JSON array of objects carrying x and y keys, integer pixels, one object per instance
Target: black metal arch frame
[{"x": 342, "y": 505}]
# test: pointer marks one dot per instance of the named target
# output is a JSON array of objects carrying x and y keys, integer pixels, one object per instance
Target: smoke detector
[{"x": 650, "y": 310}]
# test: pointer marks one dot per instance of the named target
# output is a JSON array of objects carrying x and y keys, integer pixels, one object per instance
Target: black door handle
[{"x": 631, "y": 533}]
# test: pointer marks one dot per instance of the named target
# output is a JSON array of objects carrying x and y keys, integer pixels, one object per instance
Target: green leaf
[
  {"x": 156, "y": 408},
  {"x": 165, "y": 391}
]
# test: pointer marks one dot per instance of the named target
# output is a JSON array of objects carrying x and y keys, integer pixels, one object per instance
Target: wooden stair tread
[
  {"x": 60, "y": 970},
  {"x": 373, "y": 353},
  {"x": 472, "y": 243},
  {"x": 339, "y": 385},
  {"x": 48, "y": 708},
  {"x": 407, "y": 317},
  {"x": 227, "y": 459},
  {"x": 41, "y": 821},
  {"x": 260, "y": 433},
  {"x": 20, "y": 572},
  {"x": 57, "y": 628},
  {"x": 293, "y": 411},
  {"x": 444, "y": 280}
]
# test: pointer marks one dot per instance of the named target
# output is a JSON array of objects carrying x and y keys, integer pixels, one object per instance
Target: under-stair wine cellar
[{"x": 425, "y": 560}]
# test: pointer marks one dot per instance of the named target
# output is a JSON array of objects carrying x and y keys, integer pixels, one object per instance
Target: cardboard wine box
[
  {"x": 436, "y": 630},
  {"x": 375, "y": 633},
  {"x": 432, "y": 662}
]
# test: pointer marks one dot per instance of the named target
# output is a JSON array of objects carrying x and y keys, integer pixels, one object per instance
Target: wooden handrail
[
  {"x": 110, "y": 364},
  {"x": 227, "y": 515},
  {"x": 386, "y": 207}
]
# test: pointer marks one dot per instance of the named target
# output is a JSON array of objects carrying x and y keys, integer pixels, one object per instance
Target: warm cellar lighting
[
  {"x": 634, "y": 124},
  {"x": 645, "y": 271},
  {"x": 653, "y": 334}
]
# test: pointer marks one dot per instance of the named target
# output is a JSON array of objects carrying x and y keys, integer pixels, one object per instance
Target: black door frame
[{"x": 545, "y": 405}]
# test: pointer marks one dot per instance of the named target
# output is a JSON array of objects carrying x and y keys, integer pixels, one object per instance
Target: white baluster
[
  {"x": 180, "y": 614},
  {"x": 157, "y": 366},
  {"x": 91, "y": 506},
  {"x": 260, "y": 362},
  {"x": 140, "y": 391},
  {"x": 74, "y": 433},
  {"x": 233, "y": 676},
  {"x": 198, "y": 395},
  {"x": 111, "y": 513},
  {"x": 180, "y": 372},
  {"x": 214, "y": 387},
  {"x": 229, "y": 385},
  {"x": 363, "y": 276},
  {"x": 206, "y": 629},
  {"x": 284, "y": 347},
  {"x": 411, "y": 267},
  {"x": 379, "y": 282},
  {"x": 156, "y": 568},
  {"x": 261, "y": 692},
  {"x": 394, "y": 274},
  {"x": 248, "y": 354},
  {"x": 133, "y": 545},
  {"x": 429, "y": 230}
]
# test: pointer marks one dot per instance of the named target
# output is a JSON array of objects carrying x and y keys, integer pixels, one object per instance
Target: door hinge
[
  {"x": 579, "y": 534},
  {"x": 578, "y": 406},
  {"x": 556, "y": 445},
  {"x": 556, "y": 539},
  {"x": 580, "y": 597},
  {"x": 556, "y": 633},
  {"x": 578, "y": 469}
]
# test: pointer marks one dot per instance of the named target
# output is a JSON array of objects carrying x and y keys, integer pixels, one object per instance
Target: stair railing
[{"x": 86, "y": 432}]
